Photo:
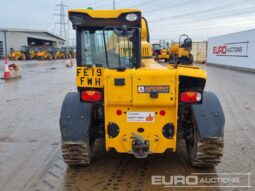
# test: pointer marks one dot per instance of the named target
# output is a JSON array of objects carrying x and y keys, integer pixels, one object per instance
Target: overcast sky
[{"x": 167, "y": 19}]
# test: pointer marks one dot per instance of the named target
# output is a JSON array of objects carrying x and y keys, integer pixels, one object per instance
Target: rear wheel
[
  {"x": 204, "y": 152},
  {"x": 78, "y": 153}
]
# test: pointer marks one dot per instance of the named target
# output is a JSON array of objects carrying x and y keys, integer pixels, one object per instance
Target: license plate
[
  {"x": 148, "y": 117},
  {"x": 89, "y": 77}
]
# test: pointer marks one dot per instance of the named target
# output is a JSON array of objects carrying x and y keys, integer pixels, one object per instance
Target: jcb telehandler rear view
[{"x": 137, "y": 105}]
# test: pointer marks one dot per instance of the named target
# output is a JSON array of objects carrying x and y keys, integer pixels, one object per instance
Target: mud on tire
[
  {"x": 205, "y": 152},
  {"x": 77, "y": 153}
]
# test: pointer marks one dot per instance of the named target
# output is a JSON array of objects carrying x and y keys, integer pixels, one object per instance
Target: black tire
[
  {"x": 77, "y": 140},
  {"x": 204, "y": 152},
  {"x": 191, "y": 59},
  {"x": 78, "y": 154}
]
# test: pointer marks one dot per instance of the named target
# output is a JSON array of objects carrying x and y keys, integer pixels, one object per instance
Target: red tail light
[
  {"x": 190, "y": 97},
  {"x": 91, "y": 96}
]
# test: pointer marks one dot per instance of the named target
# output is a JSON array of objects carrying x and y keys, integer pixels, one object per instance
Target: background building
[
  {"x": 15, "y": 38},
  {"x": 235, "y": 50}
]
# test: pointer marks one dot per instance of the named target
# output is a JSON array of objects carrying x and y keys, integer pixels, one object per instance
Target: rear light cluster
[
  {"x": 190, "y": 97},
  {"x": 91, "y": 96}
]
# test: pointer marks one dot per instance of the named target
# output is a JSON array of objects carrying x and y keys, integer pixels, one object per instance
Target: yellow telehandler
[{"x": 137, "y": 105}]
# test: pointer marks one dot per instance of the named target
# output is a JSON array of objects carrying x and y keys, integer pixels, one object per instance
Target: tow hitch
[{"x": 140, "y": 147}]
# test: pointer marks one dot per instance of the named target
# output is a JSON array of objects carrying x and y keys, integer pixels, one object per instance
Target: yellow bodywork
[
  {"x": 128, "y": 99},
  {"x": 58, "y": 54},
  {"x": 42, "y": 55},
  {"x": 163, "y": 54},
  {"x": 106, "y": 14},
  {"x": 14, "y": 55},
  {"x": 138, "y": 108},
  {"x": 45, "y": 55},
  {"x": 175, "y": 49}
]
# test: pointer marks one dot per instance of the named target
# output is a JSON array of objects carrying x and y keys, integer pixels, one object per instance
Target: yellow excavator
[
  {"x": 181, "y": 53},
  {"x": 140, "y": 107}
]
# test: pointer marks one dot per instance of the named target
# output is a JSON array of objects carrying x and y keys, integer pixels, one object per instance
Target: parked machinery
[
  {"x": 64, "y": 53},
  {"x": 72, "y": 52},
  {"x": 52, "y": 53},
  {"x": 58, "y": 53},
  {"x": 14, "y": 54},
  {"x": 156, "y": 50},
  {"x": 160, "y": 53},
  {"x": 45, "y": 53},
  {"x": 181, "y": 53},
  {"x": 39, "y": 53},
  {"x": 25, "y": 53},
  {"x": 138, "y": 106}
]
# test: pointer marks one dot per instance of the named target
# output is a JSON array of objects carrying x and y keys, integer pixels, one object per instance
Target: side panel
[
  {"x": 75, "y": 119},
  {"x": 209, "y": 117}
]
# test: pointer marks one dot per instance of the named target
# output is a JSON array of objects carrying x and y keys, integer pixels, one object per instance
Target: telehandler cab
[{"x": 137, "y": 105}]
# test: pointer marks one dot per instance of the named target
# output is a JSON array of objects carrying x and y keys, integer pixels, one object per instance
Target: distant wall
[
  {"x": 17, "y": 39},
  {"x": 237, "y": 49},
  {"x": 2, "y": 45},
  {"x": 199, "y": 51}
]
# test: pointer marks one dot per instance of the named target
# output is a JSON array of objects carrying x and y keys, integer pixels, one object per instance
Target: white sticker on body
[{"x": 148, "y": 117}]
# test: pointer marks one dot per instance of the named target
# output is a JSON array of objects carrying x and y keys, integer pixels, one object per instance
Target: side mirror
[{"x": 187, "y": 44}]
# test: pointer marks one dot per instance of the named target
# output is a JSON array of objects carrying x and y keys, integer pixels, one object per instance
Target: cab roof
[{"x": 104, "y": 13}]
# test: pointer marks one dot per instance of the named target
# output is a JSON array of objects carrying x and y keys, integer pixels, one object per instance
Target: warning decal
[
  {"x": 148, "y": 117},
  {"x": 157, "y": 89}
]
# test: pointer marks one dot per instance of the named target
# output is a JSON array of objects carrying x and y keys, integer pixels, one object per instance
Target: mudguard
[
  {"x": 75, "y": 119},
  {"x": 209, "y": 117}
]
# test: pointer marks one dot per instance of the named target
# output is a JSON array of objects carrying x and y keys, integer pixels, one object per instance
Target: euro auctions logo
[
  {"x": 237, "y": 49},
  {"x": 204, "y": 180},
  {"x": 220, "y": 49}
]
